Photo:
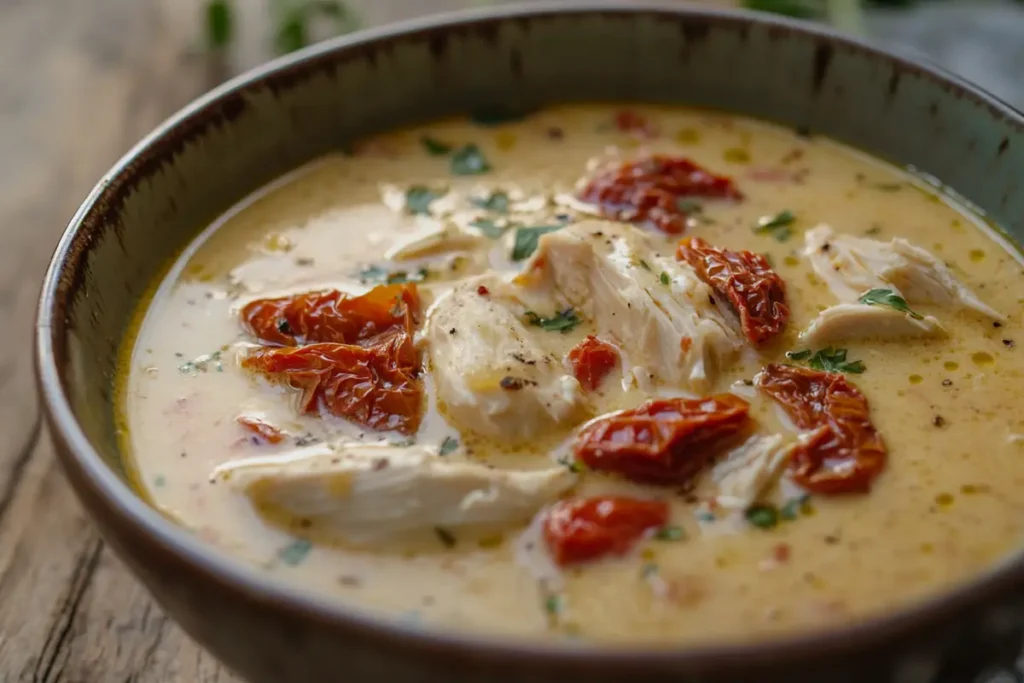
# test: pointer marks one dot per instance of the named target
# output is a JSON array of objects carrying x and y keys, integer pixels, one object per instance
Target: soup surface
[{"x": 425, "y": 451}]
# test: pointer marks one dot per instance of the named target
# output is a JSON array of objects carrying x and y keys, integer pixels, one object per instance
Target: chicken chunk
[
  {"x": 749, "y": 471},
  {"x": 493, "y": 374},
  {"x": 844, "y": 322},
  {"x": 366, "y": 494},
  {"x": 668, "y": 323},
  {"x": 851, "y": 266}
]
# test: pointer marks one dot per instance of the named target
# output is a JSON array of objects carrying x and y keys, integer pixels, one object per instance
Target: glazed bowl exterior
[{"x": 257, "y": 127}]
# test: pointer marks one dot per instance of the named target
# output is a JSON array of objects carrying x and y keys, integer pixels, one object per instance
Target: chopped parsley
[
  {"x": 763, "y": 516},
  {"x": 665, "y": 279},
  {"x": 526, "y": 240},
  {"x": 828, "y": 360},
  {"x": 562, "y": 321},
  {"x": 448, "y": 445},
  {"x": 672, "y": 532},
  {"x": 204, "y": 363},
  {"x": 689, "y": 206},
  {"x": 435, "y": 147},
  {"x": 489, "y": 227},
  {"x": 495, "y": 115},
  {"x": 887, "y": 297},
  {"x": 496, "y": 202},
  {"x": 418, "y": 199},
  {"x": 645, "y": 265},
  {"x": 469, "y": 160},
  {"x": 778, "y": 225},
  {"x": 553, "y": 604},
  {"x": 446, "y": 537},
  {"x": 377, "y": 275},
  {"x": 295, "y": 552}
]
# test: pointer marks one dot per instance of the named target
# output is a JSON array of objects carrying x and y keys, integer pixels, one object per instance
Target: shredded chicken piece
[
  {"x": 653, "y": 307},
  {"x": 750, "y": 470},
  {"x": 844, "y": 322},
  {"x": 492, "y": 373},
  {"x": 367, "y": 494},
  {"x": 851, "y": 266}
]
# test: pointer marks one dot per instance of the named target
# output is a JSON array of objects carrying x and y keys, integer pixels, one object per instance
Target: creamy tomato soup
[{"x": 643, "y": 375}]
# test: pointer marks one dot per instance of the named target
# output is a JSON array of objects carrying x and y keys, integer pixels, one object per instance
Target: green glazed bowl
[{"x": 269, "y": 121}]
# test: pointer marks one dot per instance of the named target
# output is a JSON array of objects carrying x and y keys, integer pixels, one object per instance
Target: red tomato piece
[
  {"x": 262, "y": 432},
  {"x": 844, "y": 452},
  {"x": 376, "y": 385},
  {"x": 592, "y": 359},
  {"x": 664, "y": 441},
  {"x": 650, "y": 190},
  {"x": 581, "y": 530},
  {"x": 332, "y": 316},
  {"x": 744, "y": 278}
]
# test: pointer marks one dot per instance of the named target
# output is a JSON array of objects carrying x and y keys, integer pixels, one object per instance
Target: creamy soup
[{"x": 645, "y": 375}]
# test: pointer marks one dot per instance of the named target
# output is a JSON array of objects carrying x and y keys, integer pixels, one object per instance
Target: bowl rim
[{"x": 84, "y": 464}]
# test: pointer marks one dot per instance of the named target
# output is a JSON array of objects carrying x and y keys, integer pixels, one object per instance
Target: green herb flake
[
  {"x": 489, "y": 227},
  {"x": 778, "y": 226},
  {"x": 793, "y": 507},
  {"x": 889, "y": 298},
  {"x": 448, "y": 446},
  {"x": 219, "y": 23},
  {"x": 645, "y": 265},
  {"x": 402, "y": 276},
  {"x": 689, "y": 206},
  {"x": 553, "y": 605},
  {"x": 418, "y": 199},
  {"x": 292, "y": 33},
  {"x": 560, "y": 322},
  {"x": 827, "y": 360},
  {"x": 763, "y": 516},
  {"x": 495, "y": 202},
  {"x": 705, "y": 516},
  {"x": 670, "y": 533},
  {"x": 204, "y": 363},
  {"x": 435, "y": 147},
  {"x": 159, "y": 481},
  {"x": 526, "y": 239},
  {"x": 446, "y": 537},
  {"x": 469, "y": 160},
  {"x": 665, "y": 279},
  {"x": 295, "y": 552}
]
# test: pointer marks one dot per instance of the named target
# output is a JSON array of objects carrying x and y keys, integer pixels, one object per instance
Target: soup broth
[{"x": 457, "y": 203}]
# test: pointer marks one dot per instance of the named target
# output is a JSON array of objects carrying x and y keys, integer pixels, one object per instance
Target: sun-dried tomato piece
[
  {"x": 262, "y": 432},
  {"x": 755, "y": 290},
  {"x": 651, "y": 189},
  {"x": 592, "y": 359},
  {"x": 376, "y": 385},
  {"x": 333, "y": 316},
  {"x": 581, "y": 530},
  {"x": 843, "y": 452},
  {"x": 664, "y": 441}
]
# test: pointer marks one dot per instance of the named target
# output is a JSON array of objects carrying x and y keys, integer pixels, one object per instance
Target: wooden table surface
[{"x": 80, "y": 82}]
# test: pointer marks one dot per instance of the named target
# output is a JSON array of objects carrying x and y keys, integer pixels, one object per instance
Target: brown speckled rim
[{"x": 63, "y": 282}]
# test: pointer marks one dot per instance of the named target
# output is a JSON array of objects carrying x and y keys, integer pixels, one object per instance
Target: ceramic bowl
[{"x": 273, "y": 119}]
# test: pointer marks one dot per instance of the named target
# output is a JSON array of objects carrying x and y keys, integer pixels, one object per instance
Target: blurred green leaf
[{"x": 219, "y": 23}]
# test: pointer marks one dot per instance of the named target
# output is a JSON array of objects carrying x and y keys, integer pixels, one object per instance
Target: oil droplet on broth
[
  {"x": 951, "y": 365},
  {"x": 915, "y": 379},
  {"x": 982, "y": 359},
  {"x": 944, "y": 499},
  {"x": 687, "y": 136},
  {"x": 736, "y": 155},
  {"x": 976, "y": 255}
]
